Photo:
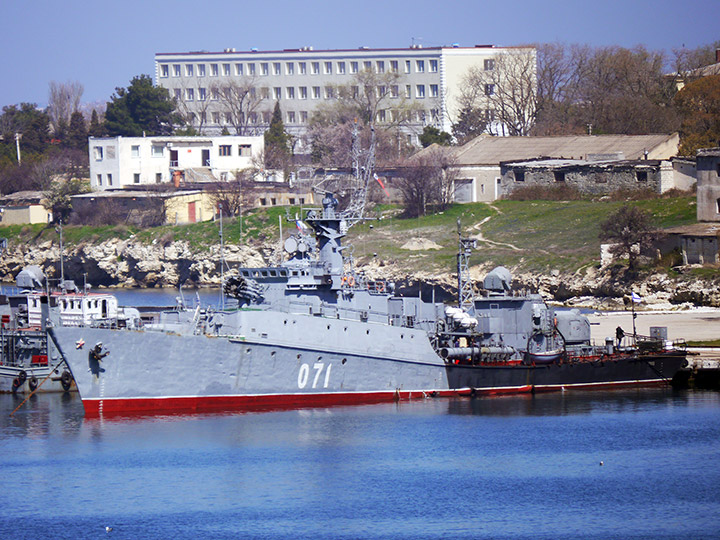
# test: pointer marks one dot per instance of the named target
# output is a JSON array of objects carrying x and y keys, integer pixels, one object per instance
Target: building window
[
  {"x": 109, "y": 179},
  {"x": 98, "y": 152},
  {"x": 189, "y": 94},
  {"x": 559, "y": 176},
  {"x": 224, "y": 150},
  {"x": 201, "y": 70},
  {"x": 189, "y": 71},
  {"x": 381, "y": 116},
  {"x": 434, "y": 90},
  {"x": 164, "y": 71},
  {"x": 263, "y": 201},
  {"x": 394, "y": 66},
  {"x": 266, "y": 117},
  {"x": 202, "y": 94},
  {"x": 489, "y": 89},
  {"x": 328, "y": 68},
  {"x": 316, "y": 92},
  {"x": 228, "y": 118},
  {"x": 291, "y": 117},
  {"x": 99, "y": 179},
  {"x": 407, "y": 66},
  {"x": 264, "y": 68},
  {"x": 110, "y": 152},
  {"x": 641, "y": 176},
  {"x": 290, "y": 68},
  {"x": 367, "y": 66},
  {"x": 329, "y": 92},
  {"x": 273, "y": 201},
  {"x": 433, "y": 66},
  {"x": 176, "y": 70},
  {"x": 394, "y": 91},
  {"x": 226, "y": 70},
  {"x": 519, "y": 176},
  {"x": 315, "y": 67},
  {"x": 158, "y": 178},
  {"x": 290, "y": 92},
  {"x": 214, "y": 70},
  {"x": 303, "y": 92},
  {"x": 214, "y": 94},
  {"x": 717, "y": 203},
  {"x": 216, "y": 117},
  {"x": 408, "y": 91},
  {"x": 489, "y": 64},
  {"x": 354, "y": 67},
  {"x": 157, "y": 150},
  {"x": 178, "y": 93},
  {"x": 718, "y": 169},
  {"x": 303, "y": 117},
  {"x": 251, "y": 70},
  {"x": 355, "y": 91},
  {"x": 277, "y": 69},
  {"x": 265, "y": 92},
  {"x": 135, "y": 150},
  {"x": 302, "y": 68},
  {"x": 380, "y": 66},
  {"x": 203, "y": 117},
  {"x": 245, "y": 150},
  {"x": 341, "y": 68},
  {"x": 291, "y": 200},
  {"x": 136, "y": 178},
  {"x": 238, "y": 70},
  {"x": 277, "y": 92},
  {"x": 420, "y": 66}
]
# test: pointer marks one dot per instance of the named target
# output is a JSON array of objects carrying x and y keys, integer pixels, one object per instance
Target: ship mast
[{"x": 465, "y": 288}]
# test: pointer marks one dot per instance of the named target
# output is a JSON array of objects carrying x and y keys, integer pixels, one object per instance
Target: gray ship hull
[
  {"x": 279, "y": 364},
  {"x": 282, "y": 365}
]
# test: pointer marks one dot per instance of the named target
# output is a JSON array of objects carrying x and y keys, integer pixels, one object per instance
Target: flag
[
  {"x": 381, "y": 184},
  {"x": 635, "y": 297},
  {"x": 79, "y": 343},
  {"x": 300, "y": 225}
]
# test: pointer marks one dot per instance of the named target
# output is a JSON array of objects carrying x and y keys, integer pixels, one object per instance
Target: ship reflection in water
[{"x": 501, "y": 467}]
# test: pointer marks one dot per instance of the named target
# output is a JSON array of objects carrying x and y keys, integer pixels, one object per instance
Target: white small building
[{"x": 119, "y": 162}]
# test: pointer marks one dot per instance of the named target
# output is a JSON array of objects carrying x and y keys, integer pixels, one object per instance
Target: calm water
[{"x": 511, "y": 467}]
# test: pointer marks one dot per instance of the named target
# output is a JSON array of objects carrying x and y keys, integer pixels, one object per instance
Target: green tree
[
  {"x": 140, "y": 108},
  {"x": 699, "y": 106},
  {"x": 31, "y": 123},
  {"x": 471, "y": 123},
  {"x": 432, "y": 135},
  {"x": 96, "y": 128},
  {"x": 631, "y": 230},
  {"x": 277, "y": 142},
  {"x": 77, "y": 135}
]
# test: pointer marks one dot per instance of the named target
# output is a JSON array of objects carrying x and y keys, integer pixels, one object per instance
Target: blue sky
[{"x": 104, "y": 44}]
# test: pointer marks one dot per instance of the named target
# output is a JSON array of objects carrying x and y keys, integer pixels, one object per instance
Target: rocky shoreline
[{"x": 131, "y": 263}]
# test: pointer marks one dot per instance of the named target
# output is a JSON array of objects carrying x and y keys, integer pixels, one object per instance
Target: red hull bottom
[{"x": 275, "y": 402}]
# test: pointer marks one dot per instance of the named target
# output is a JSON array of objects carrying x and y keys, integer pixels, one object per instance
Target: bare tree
[
  {"x": 235, "y": 194},
  {"x": 508, "y": 87},
  {"x": 241, "y": 101},
  {"x": 428, "y": 181},
  {"x": 63, "y": 100},
  {"x": 631, "y": 230}
]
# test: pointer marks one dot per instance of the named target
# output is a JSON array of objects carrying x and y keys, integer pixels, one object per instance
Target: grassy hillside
[{"x": 530, "y": 235}]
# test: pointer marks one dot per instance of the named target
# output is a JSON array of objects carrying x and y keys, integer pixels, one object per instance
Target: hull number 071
[{"x": 305, "y": 376}]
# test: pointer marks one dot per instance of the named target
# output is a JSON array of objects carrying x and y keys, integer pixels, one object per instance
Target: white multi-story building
[
  {"x": 237, "y": 90},
  {"x": 120, "y": 162}
]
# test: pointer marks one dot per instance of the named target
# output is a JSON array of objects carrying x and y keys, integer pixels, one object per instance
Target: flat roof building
[{"x": 237, "y": 90}]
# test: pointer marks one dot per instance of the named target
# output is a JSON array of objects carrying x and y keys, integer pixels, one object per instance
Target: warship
[{"x": 311, "y": 332}]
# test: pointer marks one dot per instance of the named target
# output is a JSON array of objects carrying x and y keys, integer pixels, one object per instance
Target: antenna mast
[{"x": 465, "y": 289}]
